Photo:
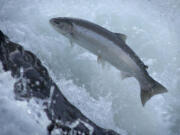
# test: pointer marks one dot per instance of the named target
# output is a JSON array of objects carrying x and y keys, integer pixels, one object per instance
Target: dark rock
[{"x": 34, "y": 81}]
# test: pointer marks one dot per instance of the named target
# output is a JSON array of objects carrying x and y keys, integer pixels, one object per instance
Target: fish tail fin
[{"x": 149, "y": 90}]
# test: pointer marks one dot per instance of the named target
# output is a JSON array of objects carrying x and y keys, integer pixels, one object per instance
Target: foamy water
[{"x": 152, "y": 32}]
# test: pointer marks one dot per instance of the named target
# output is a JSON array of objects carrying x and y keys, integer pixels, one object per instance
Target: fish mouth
[
  {"x": 57, "y": 19},
  {"x": 60, "y": 19},
  {"x": 58, "y": 22},
  {"x": 52, "y": 21}
]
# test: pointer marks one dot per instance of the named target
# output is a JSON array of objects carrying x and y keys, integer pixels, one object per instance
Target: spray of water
[{"x": 99, "y": 92}]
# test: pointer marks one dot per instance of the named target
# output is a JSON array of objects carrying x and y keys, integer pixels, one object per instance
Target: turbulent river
[{"x": 152, "y": 29}]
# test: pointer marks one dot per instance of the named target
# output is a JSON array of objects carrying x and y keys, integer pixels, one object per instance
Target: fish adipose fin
[
  {"x": 149, "y": 91},
  {"x": 121, "y": 36}
]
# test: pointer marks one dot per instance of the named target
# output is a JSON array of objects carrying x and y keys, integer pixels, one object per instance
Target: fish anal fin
[
  {"x": 125, "y": 75},
  {"x": 121, "y": 36}
]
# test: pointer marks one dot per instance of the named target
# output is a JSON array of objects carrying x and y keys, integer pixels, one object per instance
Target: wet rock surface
[{"x": 33, "y": 80}]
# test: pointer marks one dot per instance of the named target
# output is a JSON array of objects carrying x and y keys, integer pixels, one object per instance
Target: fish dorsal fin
[{"x": 121, "y": 36}]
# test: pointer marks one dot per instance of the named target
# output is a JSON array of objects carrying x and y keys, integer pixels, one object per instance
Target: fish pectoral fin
[
  {"x": 121, "y": 36},
  {"x": 71, "y": 43},
  {"x": 100, "y": 61},
  {"x": 125, "y": 75}
]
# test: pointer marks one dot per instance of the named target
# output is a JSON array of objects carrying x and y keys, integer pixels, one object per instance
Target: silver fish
[{"x": 110, "y": 47}]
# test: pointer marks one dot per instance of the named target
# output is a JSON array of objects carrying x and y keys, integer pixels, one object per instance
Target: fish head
[{"x": 62, "y": 25}]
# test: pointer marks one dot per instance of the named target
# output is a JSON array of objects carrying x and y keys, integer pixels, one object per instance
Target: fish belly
[{"x": 106, "y": 49}]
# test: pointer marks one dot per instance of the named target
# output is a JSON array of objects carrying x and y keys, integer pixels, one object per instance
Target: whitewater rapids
[{"x": 152, "y": 32}]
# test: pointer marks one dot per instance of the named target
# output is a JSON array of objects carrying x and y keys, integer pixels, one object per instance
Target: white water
[{"x": 152, "y": 28}]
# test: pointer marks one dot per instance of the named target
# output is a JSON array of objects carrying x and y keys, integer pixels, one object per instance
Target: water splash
[{"x": 152, "y": 33}]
